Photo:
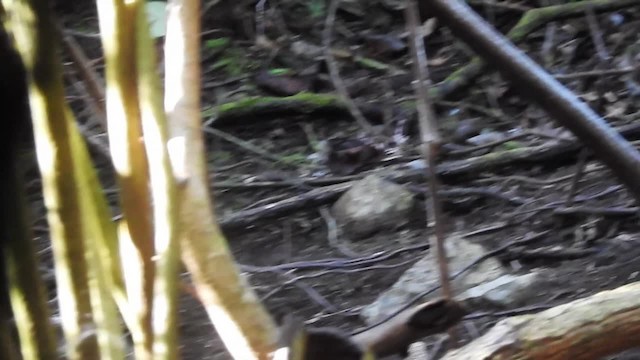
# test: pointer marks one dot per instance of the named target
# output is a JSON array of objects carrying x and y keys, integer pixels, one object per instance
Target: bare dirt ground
[{"x": 588, "y": 250}]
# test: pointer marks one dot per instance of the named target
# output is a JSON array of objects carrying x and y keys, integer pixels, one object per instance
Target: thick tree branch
[{"x": 552, "y": 96}]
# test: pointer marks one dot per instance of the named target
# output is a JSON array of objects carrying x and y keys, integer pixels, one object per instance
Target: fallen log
[{"x": 590, "y": 328}]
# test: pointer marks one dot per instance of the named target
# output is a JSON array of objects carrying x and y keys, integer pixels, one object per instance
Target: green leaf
[
  {"x": 232, "y": 62},
  {"x": 295, "y": 159},
  {"x": 208, "y": 112},
  {"x": 372, "y": 64},
  {"x": 217, "y": 43},
  {"x": 279, "y": 71},
  {"x": 512, "y": 145},
  {"x": 222, "y": 63},
  {"x": 316, "y": 8}
]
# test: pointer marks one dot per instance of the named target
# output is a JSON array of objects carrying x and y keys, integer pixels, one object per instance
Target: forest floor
[{"x": 273, "y": 153}]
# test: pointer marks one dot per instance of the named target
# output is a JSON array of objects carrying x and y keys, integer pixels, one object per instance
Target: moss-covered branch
[{"x": 255, "y": 109}]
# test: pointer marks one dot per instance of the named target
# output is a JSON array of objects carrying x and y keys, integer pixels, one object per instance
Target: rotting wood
[{"x": 590, "y": 328}]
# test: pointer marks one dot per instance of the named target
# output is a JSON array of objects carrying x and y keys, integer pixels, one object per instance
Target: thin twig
[
  {"x": 508, "y": 313},
  {"x": 594, "y": 73},
  {"x": 615, "y": 211},
  {"x": 241, "y": 143},
  {"x": 333, "y": 234},
  {"x": 548, "y": 44},
  {"x": 498, "y": 115},
  {"x": 520, "y": 135},
  {"x": 532, "y": 181},
  {"x": 90, "y": 78},
  {"x": 260, "y": 26},
  {"x": 208, "y": 5},
  {"x": 580, "y": 166},
  {"x": 334, "y": 72},
  {"x": 95, "y": 36},
  {"x": 334, "y": 263},
  {"x": 312, "y": 293},
  {"x": 553, "y": 206},
  {"x": 503, "y": 5},
  {"x": 596, "y": 36},
  {"x": 430, "y": 139}
]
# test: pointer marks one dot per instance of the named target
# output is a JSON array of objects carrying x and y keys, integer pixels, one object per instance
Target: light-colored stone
[
  {"x": 417, "y": 351},
  {"x": 424, "y": 275},
  {"x": 372, "y": 204},
  {"x": 506, "y": 291}
]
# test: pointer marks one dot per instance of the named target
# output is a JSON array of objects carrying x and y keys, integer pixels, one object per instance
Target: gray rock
[
  {"x": 505, "y": 291},
  {"x": 372, "y": 204},
  {"x": 417, "y": 165},
  {"x": 424, "y": 275},
  {"x": 485, "y": 138}
]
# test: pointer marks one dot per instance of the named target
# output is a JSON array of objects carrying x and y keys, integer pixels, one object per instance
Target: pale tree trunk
[{"x": 242, "y": 322}]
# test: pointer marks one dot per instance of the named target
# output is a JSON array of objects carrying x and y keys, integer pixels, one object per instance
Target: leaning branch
[
  {"x": 555, "y": 99},
  {"x": 529, "y": 22}
]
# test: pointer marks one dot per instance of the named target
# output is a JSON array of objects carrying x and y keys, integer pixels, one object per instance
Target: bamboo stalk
[{"x": 242, "y": 322}]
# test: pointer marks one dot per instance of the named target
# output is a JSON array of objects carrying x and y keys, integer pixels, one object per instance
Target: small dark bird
[{"x": 346, "y": 156}]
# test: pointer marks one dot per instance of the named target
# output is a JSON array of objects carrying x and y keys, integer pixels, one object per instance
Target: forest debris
[
  {"x": 334, "y": 71},
  {"x": 395, "y": 335},
  {"x": 556, "y": 253},
  {"x": 473, "y": 165},
  {"x": 548, "y": 93},
  {"x": 613, "y": 211},
  {"x": 391, "y": 337},
  {"x": 248, "y": 218},
  {"x": 531, "y": 20}
]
